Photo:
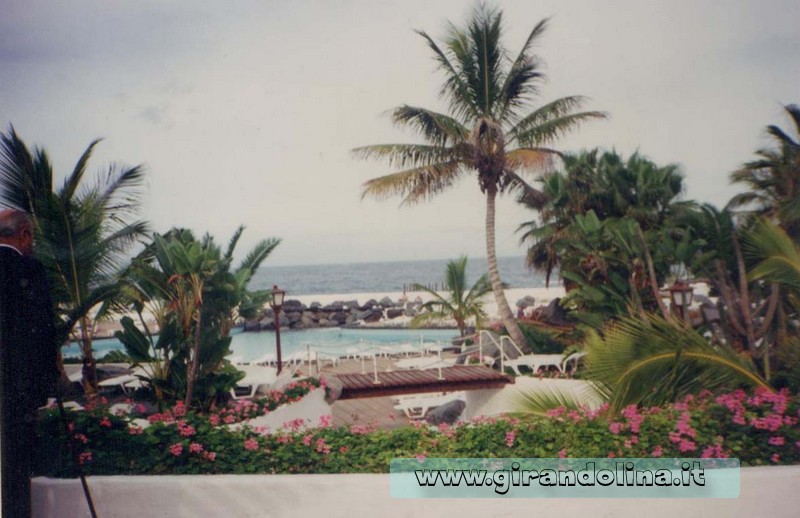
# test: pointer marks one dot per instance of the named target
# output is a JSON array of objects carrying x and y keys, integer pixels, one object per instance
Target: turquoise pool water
[{"x": 327, "y": 341}]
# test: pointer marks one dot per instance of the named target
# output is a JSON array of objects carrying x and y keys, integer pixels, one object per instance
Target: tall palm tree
[
  {"x": 773, "y": 180},
  {"x": 489, "y": 131},
  {"x": 82, "y": 234},
  {"x": 461, "y": 305}
]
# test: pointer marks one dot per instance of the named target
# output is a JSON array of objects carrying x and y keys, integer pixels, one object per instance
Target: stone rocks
[
  {"x": 371, "y": 303},
  {"x": 526, "y": 302},
  {"x": 296, "y": 315},
  {"x": 447, "y": 413},
  {"x": 553, "y": 314},
  {"x": 373, "y": 315},
  {"x": 393, "y": 313}
]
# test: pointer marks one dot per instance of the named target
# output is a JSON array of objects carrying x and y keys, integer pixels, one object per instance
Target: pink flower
[
  {"x": 776, "y": 441},
  {"x": 81, "y": 438},
  {"x": 85, "y": 457},
  {"x": 185, "y": 430},
  {"x": 420, "y": 456},
  {"x": 214, "y": 420},
  {"x": 179, "y": 409},
  {"x": 209, "y": 455},
  {"x": 359, "y": 429},
  {"x": 284, "y": 439},
  {"x": 510, "y": 438},
  {"x": 195, "y": 447},
  {"x": 686, "y": 445},
  {"x": 176, "y": 449},
  {"x": 775, "y": 458},
  {"x": 322, "y": 447},
  {"x": 105, "y": 422},
  {"x": 135, "y": 430},
  {"x": 658, "y": 451},
  {"x": 251, "y": 444},
  {"x": 229, "y": 419},
  {"x": 615, "y": 428},
  {"x": 562, "y": 454},
  {"x": 307, "y": 440},
  {"x": 325, "y": 420},
  {"x": 344, "y": 449}
]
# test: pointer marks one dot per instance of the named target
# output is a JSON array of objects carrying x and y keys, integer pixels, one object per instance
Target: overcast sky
[{"x": 245, "y": 112}]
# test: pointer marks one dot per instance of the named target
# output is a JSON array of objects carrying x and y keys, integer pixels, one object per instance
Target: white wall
[{"x": 765, "y": 491}]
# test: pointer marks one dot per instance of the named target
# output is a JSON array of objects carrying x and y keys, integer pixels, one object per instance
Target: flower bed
[{"x": 760, "y": 428}]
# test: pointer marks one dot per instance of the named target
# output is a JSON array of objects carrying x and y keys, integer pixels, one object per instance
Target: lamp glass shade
[
  {"x": 681, "y": 294},
  {"x": 277, "y": 296}
]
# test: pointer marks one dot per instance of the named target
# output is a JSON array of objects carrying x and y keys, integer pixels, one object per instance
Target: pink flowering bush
[{"x": 758, "y": 428}]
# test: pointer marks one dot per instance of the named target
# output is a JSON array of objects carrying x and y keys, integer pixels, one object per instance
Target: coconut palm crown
[{"x": 490, "y": 130}]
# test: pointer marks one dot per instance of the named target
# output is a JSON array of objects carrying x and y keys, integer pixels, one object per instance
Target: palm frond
[
  {"x": 73, "y": 181},
  {"x": 411, "y": 155},
  {"x": 414, "y": 185},
  {"x": 454, "y": 88},
  {"x": 652, "y": 361},
  {"x": 437, "y": 128},
  {"x": 541, "y": 400},
  {"x": 781, "y": 257},
  {"x": 553, "y": 128},
  {"x": 522, "y": 78},
  {"x": 233, "y": 241},
  {"x": 257, "y": 255}
]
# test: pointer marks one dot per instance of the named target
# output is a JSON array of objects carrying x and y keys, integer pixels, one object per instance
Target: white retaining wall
[{"x": 765, "y": 492}]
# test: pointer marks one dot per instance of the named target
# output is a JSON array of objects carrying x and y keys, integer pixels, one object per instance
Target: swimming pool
[{"x": 327, "y": 341}]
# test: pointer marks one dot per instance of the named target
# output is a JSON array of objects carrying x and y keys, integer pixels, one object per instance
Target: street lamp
[
  {"x": 277, "y": 304},
  {"x": 681, "y": 295}
]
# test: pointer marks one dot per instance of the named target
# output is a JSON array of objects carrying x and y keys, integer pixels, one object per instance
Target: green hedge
[{"x": 760, "y": 428}]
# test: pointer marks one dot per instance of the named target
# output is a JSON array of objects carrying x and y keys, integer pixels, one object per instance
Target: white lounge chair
[
  {"x": 574, "y": 358},
  {"x": 254, "y": 377},
  {"x": 425, "y": 362},
  {"x": 417, "y": 406},
  {"x": 535, "y": 362}
]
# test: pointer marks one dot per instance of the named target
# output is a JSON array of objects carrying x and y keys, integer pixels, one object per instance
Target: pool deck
[{"x": 377, "y": 411}]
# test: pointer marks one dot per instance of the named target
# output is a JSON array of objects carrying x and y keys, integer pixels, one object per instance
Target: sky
[{"x": 246, "y": 112}]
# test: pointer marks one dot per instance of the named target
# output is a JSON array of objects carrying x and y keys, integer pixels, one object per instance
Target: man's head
[{"x": 16, "y": 230}]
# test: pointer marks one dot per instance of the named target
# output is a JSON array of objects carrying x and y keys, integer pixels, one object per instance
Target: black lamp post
[
  {"x": 681, "y": 295},
  {"x": 277, "y": 304}
]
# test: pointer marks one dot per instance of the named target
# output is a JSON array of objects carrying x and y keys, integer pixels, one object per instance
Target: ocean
[{"x": 383, "y": 276}]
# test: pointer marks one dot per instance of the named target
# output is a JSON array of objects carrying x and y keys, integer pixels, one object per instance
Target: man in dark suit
[{"x": 28, "y": 350}]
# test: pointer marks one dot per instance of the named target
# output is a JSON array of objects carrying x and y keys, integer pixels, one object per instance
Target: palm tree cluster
[{"x": 84, "y": 235}]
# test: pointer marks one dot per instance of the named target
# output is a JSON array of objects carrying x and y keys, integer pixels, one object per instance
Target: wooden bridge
[{"x": 416, "y": 381}]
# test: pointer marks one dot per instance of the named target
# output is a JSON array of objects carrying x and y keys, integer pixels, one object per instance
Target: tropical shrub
[
  {"x": 189, "y": 286},
  {"x": 462, "y": 304}
]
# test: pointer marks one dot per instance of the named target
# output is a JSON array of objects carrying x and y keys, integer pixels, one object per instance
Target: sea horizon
[{"x": 384, "y": 276}]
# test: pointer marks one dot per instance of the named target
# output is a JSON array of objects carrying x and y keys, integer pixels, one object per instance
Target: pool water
[{"x": 327, "y": 342}]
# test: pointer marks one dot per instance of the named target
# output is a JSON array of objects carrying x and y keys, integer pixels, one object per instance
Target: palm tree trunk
[
  {"x": 503, "y": 308},
  {"x": 195, "y": 362},
  {"x": 89, "y": 365}
]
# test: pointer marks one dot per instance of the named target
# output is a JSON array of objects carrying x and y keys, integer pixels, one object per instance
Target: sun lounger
[
  {"x": 417, "y": 406},
  {"x": 574, "y": 358},
  {"x": 535, "y": 362},
  {"x": 254, "y": 377},
  {"x": 123, "y": 382},
  {"x": 425, "y": 362}
]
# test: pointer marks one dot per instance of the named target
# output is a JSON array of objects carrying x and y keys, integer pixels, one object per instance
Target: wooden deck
[{"x": 392, "y": 383}]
